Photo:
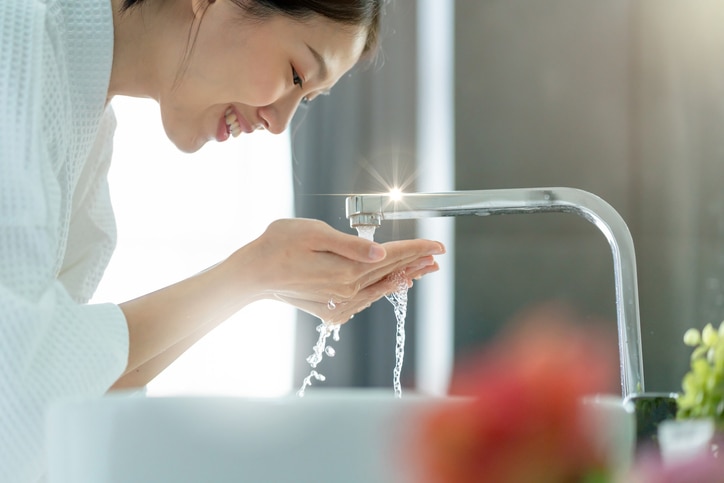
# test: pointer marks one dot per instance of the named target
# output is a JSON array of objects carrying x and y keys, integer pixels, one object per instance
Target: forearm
[
  {"x": 163, "y": 324},
  {"x": 146, "y": 372}
]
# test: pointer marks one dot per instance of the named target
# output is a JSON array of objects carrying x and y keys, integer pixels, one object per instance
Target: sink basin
[{"x": 327, "y": 436}]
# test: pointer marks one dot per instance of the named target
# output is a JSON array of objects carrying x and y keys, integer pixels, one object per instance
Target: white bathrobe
[{"x": 57, "y": 230}]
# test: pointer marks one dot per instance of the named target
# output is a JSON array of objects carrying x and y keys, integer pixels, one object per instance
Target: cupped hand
[{"x": 327, "y": 273}]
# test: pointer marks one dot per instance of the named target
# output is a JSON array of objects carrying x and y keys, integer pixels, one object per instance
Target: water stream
[{"x": 398, "y": 299}]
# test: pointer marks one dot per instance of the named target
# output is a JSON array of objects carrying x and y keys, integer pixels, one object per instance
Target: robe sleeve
[{"x": 51, "y": 346}]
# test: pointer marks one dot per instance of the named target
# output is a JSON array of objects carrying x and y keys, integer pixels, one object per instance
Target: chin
[
  {"x": 186, "y": 144},
  {"x": 181, "y": 134},
  {"x": 189, "y": 147}
]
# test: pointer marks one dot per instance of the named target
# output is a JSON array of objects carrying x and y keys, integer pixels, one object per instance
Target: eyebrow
[{"x": 320, "y": 60}]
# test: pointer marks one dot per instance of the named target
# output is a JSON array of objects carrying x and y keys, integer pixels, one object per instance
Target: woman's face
[{"x": 244, "y": 75}]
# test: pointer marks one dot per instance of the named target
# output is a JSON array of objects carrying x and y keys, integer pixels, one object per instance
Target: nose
[{"x": 277, "y": 116}]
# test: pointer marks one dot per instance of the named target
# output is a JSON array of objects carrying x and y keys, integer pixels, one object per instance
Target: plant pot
[{"x": 687, "y": 439}]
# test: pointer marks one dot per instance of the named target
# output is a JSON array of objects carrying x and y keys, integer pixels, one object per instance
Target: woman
[{"x": 217, "y": 68}]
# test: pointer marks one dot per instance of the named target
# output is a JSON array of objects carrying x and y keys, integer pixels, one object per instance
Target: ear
[{"x": 200, "y": 6}]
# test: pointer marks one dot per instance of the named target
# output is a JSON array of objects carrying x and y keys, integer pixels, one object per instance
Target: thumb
[{"x": 355, "y": 248}]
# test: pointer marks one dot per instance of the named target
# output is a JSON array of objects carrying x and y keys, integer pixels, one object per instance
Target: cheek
[
  {"x": 257, "y": 86},
  {"x": 262, "y": 91},
  {"x": 255, "y": 77},
  {"x": 262, "y": 82}
]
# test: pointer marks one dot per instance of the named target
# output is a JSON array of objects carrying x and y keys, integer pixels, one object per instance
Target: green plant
[{"x": 703, "y": 385}]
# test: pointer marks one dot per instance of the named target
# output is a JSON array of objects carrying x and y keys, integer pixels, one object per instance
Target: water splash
[
  {"x": 320, "y": 349},
  {"x": 308, "y": 381}
]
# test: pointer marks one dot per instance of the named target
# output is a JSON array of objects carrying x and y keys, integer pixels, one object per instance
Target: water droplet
[
  {"x": 329, "y": 351},
  {"x": 331, "y": 305}
]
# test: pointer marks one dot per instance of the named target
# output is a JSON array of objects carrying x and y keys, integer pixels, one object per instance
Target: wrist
[{"x": 239, "y": 277}]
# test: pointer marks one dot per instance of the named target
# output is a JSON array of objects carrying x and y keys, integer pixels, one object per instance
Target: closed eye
[{"x": 296, "y": 78}]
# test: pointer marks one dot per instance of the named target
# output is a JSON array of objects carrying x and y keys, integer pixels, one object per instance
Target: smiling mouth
[{"x": 232, "y": 122}]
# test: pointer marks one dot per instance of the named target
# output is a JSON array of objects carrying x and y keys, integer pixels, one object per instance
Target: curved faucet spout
[{"x": 372, "y": 209}]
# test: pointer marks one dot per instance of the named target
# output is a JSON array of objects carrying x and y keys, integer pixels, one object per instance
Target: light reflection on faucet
[{"x": 372, "y": 209}]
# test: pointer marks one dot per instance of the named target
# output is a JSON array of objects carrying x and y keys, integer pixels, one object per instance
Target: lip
[
  {"x": 222, "y": 130},
  {"x": 222, "y": 133},
  {"x": 243, "y": 123}
]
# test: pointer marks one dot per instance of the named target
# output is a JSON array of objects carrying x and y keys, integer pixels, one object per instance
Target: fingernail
[
  {"x": 377, "y": 252},
  {"x": 425, "y": 262},
  {"x": 427, "y": 270},
  {"x": 439, "y": 250}
]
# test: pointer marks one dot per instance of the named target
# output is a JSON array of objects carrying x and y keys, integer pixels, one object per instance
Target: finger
[
  {"x": 406, "y": 265},
  {"x": 350, "y": 246},
  {"x": 419, "y": 264},
  {"x": 344, "y": 316},
  {"x": 417, "y": 247},
  {"x": 401, "y": 254},
  {"x": 363, "y": 250},
  {"x": 418, "y": 274},
  {"x": 353, "y": 277},
  {"x": 346, "y": 279},
  {"x": 337, "y": 313},
  {"x": 366, "y": 298},
  {"x": 386, "y": 286}
]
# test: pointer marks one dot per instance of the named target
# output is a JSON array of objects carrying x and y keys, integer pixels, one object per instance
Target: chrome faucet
[{"x": 372, "y": 209}]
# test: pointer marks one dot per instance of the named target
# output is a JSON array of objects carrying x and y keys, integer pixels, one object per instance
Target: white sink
[{"x": 329, "y": 436}]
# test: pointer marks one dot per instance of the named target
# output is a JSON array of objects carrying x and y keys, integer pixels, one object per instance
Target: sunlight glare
[
  {"x": 178, "y": 214},
  {"x": 395, "y": 194}
]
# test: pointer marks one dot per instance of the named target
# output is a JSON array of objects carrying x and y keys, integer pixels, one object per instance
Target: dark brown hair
[{"x": 358, "y": 13}]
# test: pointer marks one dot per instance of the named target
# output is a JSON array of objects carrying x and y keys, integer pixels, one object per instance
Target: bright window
[{"x": 178, "y": 214}]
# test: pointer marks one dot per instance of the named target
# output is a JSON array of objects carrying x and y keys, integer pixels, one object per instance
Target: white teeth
[{"x": 232, "y": 122}]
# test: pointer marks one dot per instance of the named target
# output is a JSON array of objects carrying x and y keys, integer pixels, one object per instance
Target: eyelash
[{"x": 296, "y": 78}]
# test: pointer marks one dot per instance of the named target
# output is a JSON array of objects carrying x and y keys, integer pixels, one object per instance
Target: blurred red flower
[{"x": 522, "y": 421}]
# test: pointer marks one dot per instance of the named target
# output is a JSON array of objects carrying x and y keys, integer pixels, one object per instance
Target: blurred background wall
[{"x": 623, "y": 98}]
